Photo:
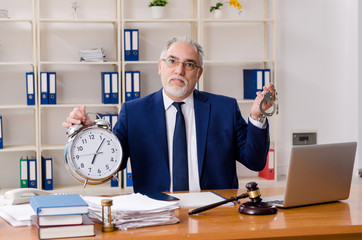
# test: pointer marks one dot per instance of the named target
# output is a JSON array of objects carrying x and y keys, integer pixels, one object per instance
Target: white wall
[{"x": 317, "y": 71}]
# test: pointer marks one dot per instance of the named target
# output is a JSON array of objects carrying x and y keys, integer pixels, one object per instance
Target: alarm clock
[{"x": 92, "y": 154}]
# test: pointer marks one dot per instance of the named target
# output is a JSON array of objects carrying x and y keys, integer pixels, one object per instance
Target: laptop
[{"x": 317, "y": 174}]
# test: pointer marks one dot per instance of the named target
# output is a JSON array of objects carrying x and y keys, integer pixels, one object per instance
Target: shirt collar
[{"x": 189, "y": 101}]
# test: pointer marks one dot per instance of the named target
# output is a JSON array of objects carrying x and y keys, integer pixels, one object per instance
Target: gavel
[{"x": 254, "y": 207}]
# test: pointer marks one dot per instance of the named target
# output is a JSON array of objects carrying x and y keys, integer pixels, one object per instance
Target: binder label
[
  {"x": 32, "y": 171},
  {"x": 127, "y": 42},
  {"x": 24, "y": 167},
  {"x": 259, "y": 80},
  {"x": 30, "y": 84}
]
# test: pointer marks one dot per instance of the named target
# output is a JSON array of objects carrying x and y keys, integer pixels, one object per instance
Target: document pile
[
  {"x": 92, "y": 55},
  {"x": 134, "y": 211},
  {"x": 3, "y": 13}
]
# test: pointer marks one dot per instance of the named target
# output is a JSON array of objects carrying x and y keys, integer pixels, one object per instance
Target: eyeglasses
[{"x": 189, "y": 66}]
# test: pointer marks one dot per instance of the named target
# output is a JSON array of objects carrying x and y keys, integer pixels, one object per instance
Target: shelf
[
  {"x": 76, "y": 63},
  {"x": 76, "y": 105},
  {"x": 18, "y": 148},
  {"x": 58, "y": 147},
  {"x": 16, "y": 20},
  {"x": 239, "y": 20},
  {"x": 239, "y": 61},
  {"x": 140, "y": 62},
  {"x": 17, "y": 63},
  {"x": 17, "y": 107},
  {"x": 112, "y": 21},
  {"x": 89, "y": 190},
  {"x": 245, "y": 101},
  {"x": 159, "y": 20}
]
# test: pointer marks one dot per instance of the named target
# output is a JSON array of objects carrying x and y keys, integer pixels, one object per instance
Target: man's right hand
[{"x": 76, "y": 117}]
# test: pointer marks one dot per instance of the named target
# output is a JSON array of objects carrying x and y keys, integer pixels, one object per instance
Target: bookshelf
[{"x": 52, "y": 40}]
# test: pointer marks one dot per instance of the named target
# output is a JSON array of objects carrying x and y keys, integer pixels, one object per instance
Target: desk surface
[{"x": 338, "y": 220}]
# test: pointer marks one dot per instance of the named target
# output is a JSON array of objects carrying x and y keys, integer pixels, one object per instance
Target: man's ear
[
  {"x": 159, "y": 66},
  {"x": 201, "y": 70}
]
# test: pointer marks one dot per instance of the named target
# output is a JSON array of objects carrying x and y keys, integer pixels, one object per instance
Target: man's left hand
[{"x": 255, "y": 110}]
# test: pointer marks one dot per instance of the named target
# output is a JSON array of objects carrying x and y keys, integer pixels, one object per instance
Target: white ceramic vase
[
  {"x": 158, "y": 12},
  {"x": 218, "y": 13}
]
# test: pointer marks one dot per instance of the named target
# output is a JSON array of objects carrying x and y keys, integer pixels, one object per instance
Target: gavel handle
[{"x": 213, "y": 205}]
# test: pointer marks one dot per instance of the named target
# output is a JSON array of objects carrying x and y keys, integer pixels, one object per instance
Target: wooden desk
[{"x": 339, "y": 220}]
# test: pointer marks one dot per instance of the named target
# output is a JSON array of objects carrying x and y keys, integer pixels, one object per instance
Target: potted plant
[
  {"x": 157, "y": 8},
  {"x": 216, "y": 10}
]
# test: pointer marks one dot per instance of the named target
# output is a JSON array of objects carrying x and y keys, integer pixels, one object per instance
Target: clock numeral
[
  {"x": 90, "y": 169},
  {"x": 77, "y": 157},
  {"x": 108, "y": 142},
  {"x": 84, "y": 141},
  {"x": 80, "y": 148},
  {"x": 112, "y": 160},
  {"x": 82, "y": 165},
  {"x": 100, "y": 137},
  {"x": 99, "y": 171},
  {"x": 91, "y": 137},
  {"x": 113, "y": 151}
]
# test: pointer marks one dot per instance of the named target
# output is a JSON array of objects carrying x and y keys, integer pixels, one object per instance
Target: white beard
[{"x": 174, "y": 90}]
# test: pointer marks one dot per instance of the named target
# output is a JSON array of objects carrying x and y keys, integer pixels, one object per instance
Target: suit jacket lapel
[
  {"x": 157, "y": 112},
  {"x": 202, "y": 116}
]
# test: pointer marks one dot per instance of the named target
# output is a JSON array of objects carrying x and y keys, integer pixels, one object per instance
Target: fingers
[
  {"x": 66, "y": 125},
  {"x": 76, "y": 117},
  {"x": 270, "y": 88}
]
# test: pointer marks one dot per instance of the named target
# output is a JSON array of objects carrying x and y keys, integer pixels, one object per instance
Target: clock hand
[
  {"x": 87, "y": 154},
  {"x": 95, "y": 154}
]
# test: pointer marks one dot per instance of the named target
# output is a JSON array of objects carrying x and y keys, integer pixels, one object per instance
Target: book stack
[
  {"x": 92, "y": 55},
  {"x": 3, "y": 13},
  {"x": 60, "y": 216}
]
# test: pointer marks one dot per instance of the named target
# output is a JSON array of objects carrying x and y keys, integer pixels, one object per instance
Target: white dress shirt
[{"x": 189, "y": 115}]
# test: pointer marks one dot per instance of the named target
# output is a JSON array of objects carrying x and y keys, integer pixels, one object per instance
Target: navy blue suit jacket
[{"x": 222, "y": 136}]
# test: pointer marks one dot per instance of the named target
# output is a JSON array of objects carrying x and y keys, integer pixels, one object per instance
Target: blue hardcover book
[
  {"x": 254, "y": 80},
  {"x": 128, "y": 85},
  {"x": 107, "y": 117},
  {"x": 1, "y": 133},
  {"x": 106, "y": 88},
  {"x": 24, "y": 180},
  {"x": 127, "y": 45},
  {"x": 52, "y": 205},
  {"x": 114, "y": 181},
  {"x": 52, "y": 88},
  {"x": 129, "y": 181},
  {"x": 136, "y": 84},
  {"x": 32, "y": 173},
  {"x": 30, "y": 89},
  {"x": 114, "y": 119},
  {"x": 47, "y": 169},
  {"x": 135, "y": 45},
  {"x": 115, "y": 88},
  {"x": 44, "y": 88}
]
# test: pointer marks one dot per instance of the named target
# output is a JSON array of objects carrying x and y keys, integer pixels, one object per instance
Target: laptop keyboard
[{"x": 279, "y": 202}]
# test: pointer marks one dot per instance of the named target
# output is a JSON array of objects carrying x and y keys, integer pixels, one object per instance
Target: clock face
[{"x": 95, "y": 154}]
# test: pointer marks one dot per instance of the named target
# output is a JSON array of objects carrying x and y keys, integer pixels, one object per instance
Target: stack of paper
[
  {"x": 3, "y": 13},
  {"x": 17, "y": 215},
  {"x": 92, "y": 55},
  {"x": 135, "y": 211}
]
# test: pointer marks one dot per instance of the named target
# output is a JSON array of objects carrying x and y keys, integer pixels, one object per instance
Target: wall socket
[{"x": 307, "y": 138}]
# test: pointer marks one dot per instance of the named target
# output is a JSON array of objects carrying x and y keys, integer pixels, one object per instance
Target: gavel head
[
  {"x": 253, "y": 192},
  {"x": 255, "y": 206}
]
